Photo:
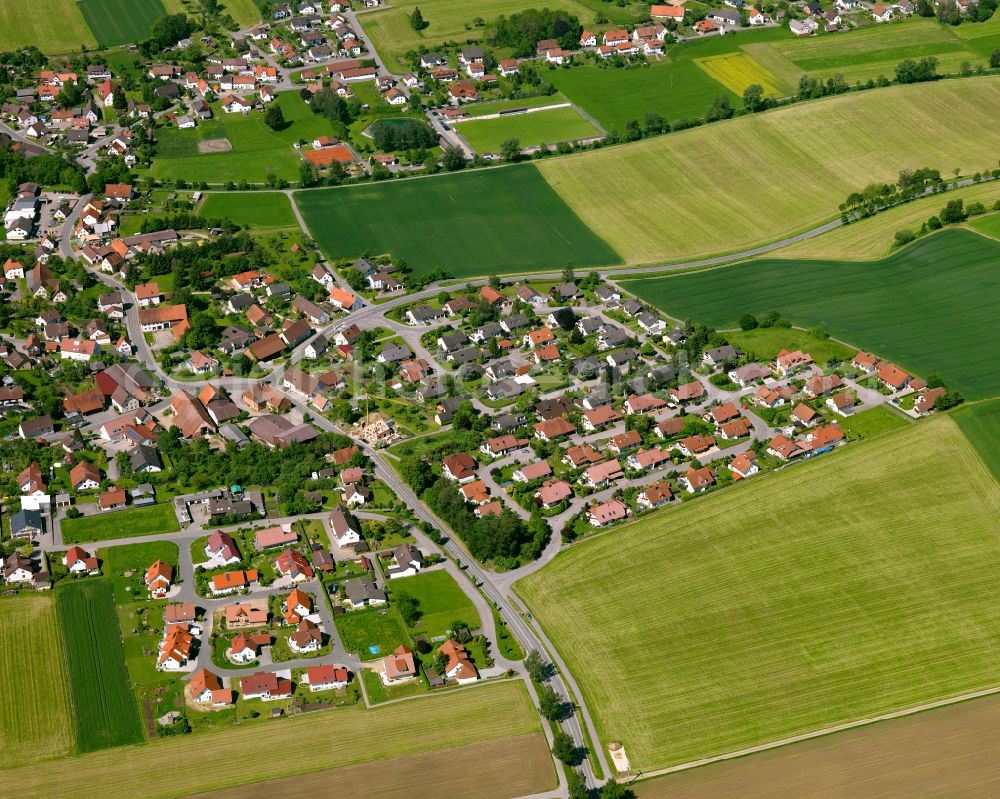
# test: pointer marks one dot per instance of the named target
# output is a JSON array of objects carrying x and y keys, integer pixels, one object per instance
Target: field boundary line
[{"x": 807, "y": 736}]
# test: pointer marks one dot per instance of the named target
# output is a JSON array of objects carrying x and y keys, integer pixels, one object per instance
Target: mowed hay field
[
  {"x": 34, "y": 704},
  {"x": 103, "y": 705},
  {"x": 874, "y": 237},
  {"x": 53, "y": 26},
  {"x": 947, "y": 752},
  {"x": 516, "y": 766},
  {"x": 929, "y": 307},
  {"x": 121, "y": 21},
  {"x": 539, "y": 127},
  {"x": 261, "y": 210},
  {"x": 754, "y": 179},
  {"x": 335, "y": 738},
  {"x": 858, "y": 584},
  {"x": 492, "y": 221}
]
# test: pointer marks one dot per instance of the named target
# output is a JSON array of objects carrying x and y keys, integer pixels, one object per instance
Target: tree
[
  {"x": 417, "y": 21},
  {"x": 564, "y": 748},
  {"x": 510, "y": 149},
  {"x": 953, "y": 212},
  {"x": 535, "y": 666},
  {"x": 748, "y": 321},
  {"x": 925, "y": 8},
  {"x": 453, "y": 159},
  {"x": 274, "y": 118},
  {"x": 995, "y": 59},
  {"x": 910, "y": 71},
  {"x": 753, "y": 98},
  {"x": 408, "y": 608},
  {"x": 550, "y": 702},
  {"x": 904, "y": 236},
  {"x": 615, "y": 790},
  {"x": 569, "y": 274},
  {"x": 576, "y": 784},
  {"x": 719, "y": 109}
]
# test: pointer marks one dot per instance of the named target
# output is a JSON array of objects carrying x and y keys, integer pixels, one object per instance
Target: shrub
[{"x": 904, "y": 236}]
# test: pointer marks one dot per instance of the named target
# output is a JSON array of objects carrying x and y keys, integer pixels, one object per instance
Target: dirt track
[
  {"x": 493, "y": 770},
  {"x": 949, "y": 752}
]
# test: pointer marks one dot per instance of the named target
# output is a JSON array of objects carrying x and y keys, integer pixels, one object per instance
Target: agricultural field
[
  {"x": 336, "y": 738},
  {"x": 264, "y": 210},
  {"x": 256, "y": 149},
  {"x": 730, "y": 632},
  {"x": 517, "y": 766},
  {"x": 103, "y": 706},
  {"x": 873, "y": 237},
  {"x": 737, "y": 71},
  {"x": 987, "y": 225},
  {"x": 127, "y": 523},
  {"x": 927, "y": 308},
  {"x": 981, "y": 424},
  {"x": 538, "y": 127},
  {"x": 24, "y": 22},
  {"x": 456, "y": 21},
  {"x": 661, "y": 205},
  {"x": 944, "y": 752},
  {"x": 494, "y": 221},
  {"x": 493, "y": 106},
  {"x": 245, "y": 12},
  {"x": 441, "y": 601},
  {"x": 117, "y": 22},
  {"x": 34, "y": 704}
]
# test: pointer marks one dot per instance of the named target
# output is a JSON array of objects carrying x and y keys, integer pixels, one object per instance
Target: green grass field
[
  {"x": 693, "y": 194},
  {"x": 872, "y": 422},
  {"x": 361, "y": 629},
  {"x": 494, "y": 221},
  {"x": 729, "y": 629},
  {"x": 454, "y": 21},
  {"x": 873, "y": 237},
  {"x": 127, "y": 523},
  {"x": 441, "y": 602},
  {"x": 764, "y": 343},
  {"x": 928, "y": 307},
  {"x": 539, "y": 127},
  {"x": 34, "y": 703},
  {"x": 117, "y": 22},
  {"x": 245, "y": 12},
  {"x": 988, "y": 225},
  {"x": 24, "y": 22},
  {"x": 256, "y": 149},
  {"x": 219, "y": 759},
  {"x": 103, "y": 706},
  {"x": 981, "y": 424},
  {"x": 260, "y": 210}
]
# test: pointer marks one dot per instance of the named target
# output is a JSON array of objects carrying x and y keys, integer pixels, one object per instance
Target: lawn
[
  {"x": 734, "y": 629},
  {"x": 454, "y": 21},
  {"x": 539, "y": 127},
  {"x": 259, "y": 210},
  {"x": 336, "y": 738},
  {"x": 873, "y": 237},
  {"x": 872, "y": 422},
  {"x": 929, "y": 307},
  {"x": 441, "y": 601},
  {"x": 117, "y": 22},
  {"x": 128, "y": 523},
  {"x": 380, "y": 627},
  {"x": 103, "y": 706},
  {"x": 134, "y": 559},
  {"x": 764, "y": 344},
  {"x": 256, "y": 149},
  {"x": 24, "y": 22},
  {"x": 981, "y": 425},
  {"x": 665, "y": 198},
  {"x": 34, "y": 703},
  {"x": 493, "y": 221}
]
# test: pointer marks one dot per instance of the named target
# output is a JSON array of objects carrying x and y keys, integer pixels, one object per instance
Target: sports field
[
  {"x": 454, "y": 21},
  {"x": 335, "y": 738},
  {"x": 259, "y": 210},
  {"x": 929, "y": 307},
  {"x": 127, "y": 523},
  {"x": 981, "y": 424},
  {"x": 103, "y": 706},
  {"x": 121, "y": 21},
  {"x": 947, "y": 752},
  {"x": 693, "y": 193},
  {"x": 441, "y": 601},
  {"x": 34, "y": 703},
  {"x": 873, "y": 237},
  {"x": 723, "y": 624},
  {"x": 24, "y": 22},
  {"x": 494, "y": 221},
  {"x": 539, "y": 127},
  {"x": 256, "y": 149}
]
